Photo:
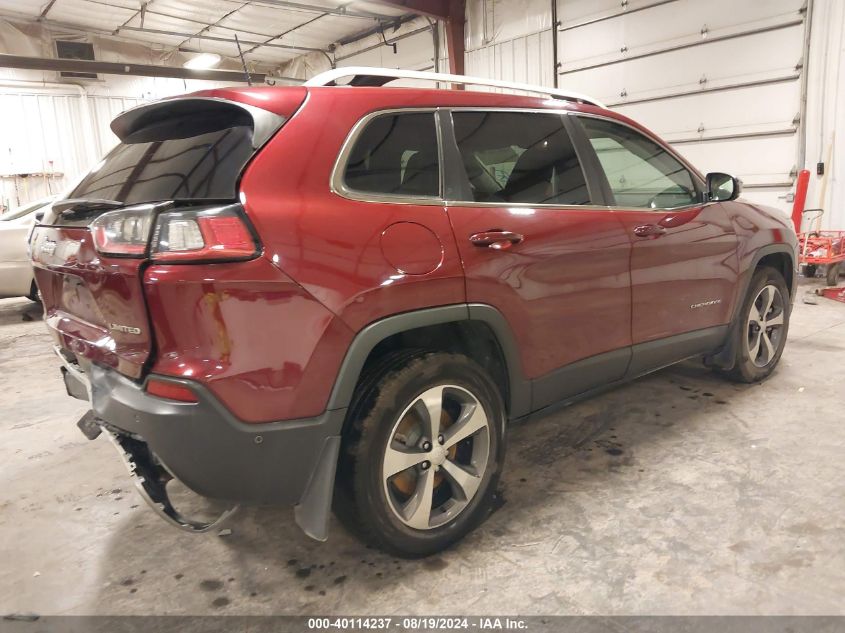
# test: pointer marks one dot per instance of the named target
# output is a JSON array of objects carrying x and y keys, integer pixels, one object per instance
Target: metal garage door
[{"x": 720, "y": 80}]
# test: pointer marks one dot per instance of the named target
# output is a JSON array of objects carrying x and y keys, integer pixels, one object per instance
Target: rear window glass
[
  {"x": 177, "y": 160},
  {"x": 396, "y": 154}
]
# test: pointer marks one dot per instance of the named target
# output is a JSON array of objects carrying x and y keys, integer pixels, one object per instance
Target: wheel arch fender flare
[
  {"x": 725, "y": 357},
  {"x": 374, "y": 333},
  {"x": 748, "y": 273}
]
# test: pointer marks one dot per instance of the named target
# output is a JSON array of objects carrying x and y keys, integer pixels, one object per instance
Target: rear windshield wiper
[{"x": 85, "y": 204}]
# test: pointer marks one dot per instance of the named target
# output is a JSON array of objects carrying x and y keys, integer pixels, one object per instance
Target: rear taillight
[
  {"x": 216, "y": 233},
  {"x": 123, "y": 233}
]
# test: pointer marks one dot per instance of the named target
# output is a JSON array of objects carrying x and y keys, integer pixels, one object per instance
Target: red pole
[{"x": 800, "y": 198}]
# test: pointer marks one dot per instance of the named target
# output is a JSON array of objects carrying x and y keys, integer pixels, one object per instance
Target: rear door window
[
  {"x": 396, "y": 155},
  {"x": 187, "y": 157},
  {"x": 519, "y": 157}
]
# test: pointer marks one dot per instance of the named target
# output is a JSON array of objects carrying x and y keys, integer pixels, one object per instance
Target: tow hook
[{"x": 151, "y": 478}]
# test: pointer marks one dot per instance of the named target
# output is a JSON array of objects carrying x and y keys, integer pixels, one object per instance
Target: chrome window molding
[
  {"x": 337, "y": 182},
  {"x": 527, "y": 205},
  {"x": 338, "y": 186}
]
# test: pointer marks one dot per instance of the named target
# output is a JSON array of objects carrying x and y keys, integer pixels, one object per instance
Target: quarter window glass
[
  {"x": 519, "y": 157},
  {"x": 396, "y": 154},
  {"x": 641, "y": 174}
]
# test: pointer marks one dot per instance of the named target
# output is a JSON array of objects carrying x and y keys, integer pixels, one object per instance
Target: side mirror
[
  {"x": 39, "y": 216},
  {"x": 722, "y": 187}
]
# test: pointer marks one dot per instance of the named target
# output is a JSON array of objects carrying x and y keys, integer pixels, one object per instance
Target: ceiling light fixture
[{"x": 203, "y": 60}]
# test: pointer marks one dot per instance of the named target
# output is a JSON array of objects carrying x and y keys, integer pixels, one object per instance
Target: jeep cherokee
[{"x": 340, "y": 296}]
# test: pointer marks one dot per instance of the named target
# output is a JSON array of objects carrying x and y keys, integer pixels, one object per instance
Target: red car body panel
[
  {"x": 84, "y": 294},
  {"x": 579, "y": 285},
  {"x": 220, "y": 325},
  {"x": 565, "y": 290},
  {"x": 692, "y": 264}
]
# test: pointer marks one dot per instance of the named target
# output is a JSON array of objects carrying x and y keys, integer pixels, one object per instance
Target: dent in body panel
[
  {"x": 257, "y": 340},
  {"x": 93, "y": 305}
]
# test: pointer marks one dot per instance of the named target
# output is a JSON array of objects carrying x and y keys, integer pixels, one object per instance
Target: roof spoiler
[{"x": 264, "y": 123}]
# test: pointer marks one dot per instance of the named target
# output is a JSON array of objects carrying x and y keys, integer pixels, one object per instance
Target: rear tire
[
  {"x": 422, "y": 453},
  {"x": 34, "y": 294},
  {"x": 762, "y": 330}
]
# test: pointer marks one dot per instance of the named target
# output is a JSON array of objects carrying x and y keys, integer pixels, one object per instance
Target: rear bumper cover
[{"x": 289, "y": 462}]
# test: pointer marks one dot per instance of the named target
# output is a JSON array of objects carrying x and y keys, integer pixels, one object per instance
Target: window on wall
[
  {"x": 396, "y": 154},
  {"x": 519, "y": 157},
  {"x": 641, "y": 174}
]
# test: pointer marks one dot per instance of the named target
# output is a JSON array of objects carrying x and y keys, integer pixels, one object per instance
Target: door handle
[
  {"x": 499, "y": 240},
  {"x": 649, "y": 230}
]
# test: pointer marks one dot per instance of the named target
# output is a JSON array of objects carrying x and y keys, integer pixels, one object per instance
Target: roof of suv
[
  {"x": 277, "y": 98},
  {"x": 372, "y": 81}
]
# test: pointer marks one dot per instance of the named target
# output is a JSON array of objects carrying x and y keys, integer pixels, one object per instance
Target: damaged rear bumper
[{"x": 286, "y": 463}]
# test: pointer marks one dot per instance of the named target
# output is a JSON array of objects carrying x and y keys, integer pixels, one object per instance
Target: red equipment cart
[{"x": 822, "y": 248}]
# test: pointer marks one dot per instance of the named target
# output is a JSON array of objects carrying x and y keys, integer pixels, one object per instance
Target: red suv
[{"x": 341, "y": 296}]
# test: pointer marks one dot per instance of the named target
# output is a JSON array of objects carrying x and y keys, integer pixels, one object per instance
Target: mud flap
[
  {"x": 89, "y": 426},
  {"x": 312, "y": 511},
  {"x": 151, "y": 479}
]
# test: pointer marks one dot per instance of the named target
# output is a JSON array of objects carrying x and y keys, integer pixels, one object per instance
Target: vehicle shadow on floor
[
  {"x": 266, "y": 564},
  {"x": 19, "y": 310}
]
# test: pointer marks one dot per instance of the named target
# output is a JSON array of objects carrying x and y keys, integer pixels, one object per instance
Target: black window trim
[
  {"x": 595, "y": 165},
  {"x": 337, "y": 182}
]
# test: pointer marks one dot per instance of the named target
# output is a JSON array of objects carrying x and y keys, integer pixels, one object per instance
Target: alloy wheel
[
  {"x": 436, "y": 457},
  {"x": 765, "y": 325}
]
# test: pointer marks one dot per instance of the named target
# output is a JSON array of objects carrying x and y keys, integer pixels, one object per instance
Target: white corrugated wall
[
  {"x": 52, "y": 131},
  {"x": 414, "y": 50},
  {"x": 737, "y": 65},
  {"x": 58, "y": 133},
  {"x": 510, "y": 40}
]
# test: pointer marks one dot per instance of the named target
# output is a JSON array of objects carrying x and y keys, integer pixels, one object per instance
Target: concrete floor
[{"x": 676, "y": 494}]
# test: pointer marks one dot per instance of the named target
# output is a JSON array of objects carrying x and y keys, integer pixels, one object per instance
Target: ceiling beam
[
  {"x": 341, "y": 11},
  {"x": 47, "y": 9},
  {"x": 215, "y": 38},
  {"x": 213, "y": 24},
  {"x": 117, "y": 68},
  {"x": 296, "y": 27},
  {"x": 438, "y": 9},
  {"x": 394, "y": 24}
]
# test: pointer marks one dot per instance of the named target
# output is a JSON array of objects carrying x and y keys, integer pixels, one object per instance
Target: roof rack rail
[{"x": 366, "y": 76}]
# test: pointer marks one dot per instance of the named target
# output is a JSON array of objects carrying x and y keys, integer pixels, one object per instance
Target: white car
[{"x": 16, "y": 278}]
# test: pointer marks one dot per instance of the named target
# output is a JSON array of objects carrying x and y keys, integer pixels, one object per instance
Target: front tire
[
  {"x": 761, "y": 332},
  {"x": 423, "y": 453}
]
